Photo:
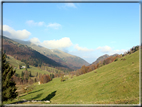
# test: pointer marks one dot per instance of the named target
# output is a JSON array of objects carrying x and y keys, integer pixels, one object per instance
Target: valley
[
  {"x": 113, "y": 83},
  {"x": 71, "y": 53}
]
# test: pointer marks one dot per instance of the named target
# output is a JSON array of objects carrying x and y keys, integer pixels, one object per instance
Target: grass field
[
  {"x": 115, "y": 83},
  {"x": 33, "y": 69}
]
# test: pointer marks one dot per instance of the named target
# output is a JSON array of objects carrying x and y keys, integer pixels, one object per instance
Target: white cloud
[
  {"x": 60, "y": 44},
  {"x": 82, "y": 48},
  {"x": 32, "y": 23},
  {"x": 70, "y": 5},
  {"x": 54, "y": 25},
  {"x": 35, "y": 40},
  {"x": 40, "y": 23},
  {"x": 11, "y": 33},
  {"x": 67, "y": 5},
  {"x": 104, "y": 49},
  {"x": 117, "y": 51},
  {"x": 50, "y": 25},
  {"x": 110, "y": 51}
]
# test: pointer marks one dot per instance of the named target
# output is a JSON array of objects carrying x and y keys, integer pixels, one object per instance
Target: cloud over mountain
[
  {"x": 82, "y": 48},
  {"x": 18, "y": 34},
  {"x": 61, "y": 43},
  {"x": 35, "y": 40}
]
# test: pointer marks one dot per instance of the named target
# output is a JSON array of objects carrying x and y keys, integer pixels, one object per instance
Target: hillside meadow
[
  {"x": 115, "y": 83},
  {"x": 31, "y": 68}
]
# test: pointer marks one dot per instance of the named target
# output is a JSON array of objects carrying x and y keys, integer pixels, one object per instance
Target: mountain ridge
[
  {"x": 27, "y": 54},
  {"x": 64, "y": 58},
  {"x": 103, "y": 57}
]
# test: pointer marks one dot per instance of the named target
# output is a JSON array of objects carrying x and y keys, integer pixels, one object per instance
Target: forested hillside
[
  {"x": 28, "y": 55},
  {"x": 63, "y": 58}
]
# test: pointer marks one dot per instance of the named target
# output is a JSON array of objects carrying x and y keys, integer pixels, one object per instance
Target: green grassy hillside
[
  {"x": 13, "y": 62},
  {"x": 115, "y": 83}
]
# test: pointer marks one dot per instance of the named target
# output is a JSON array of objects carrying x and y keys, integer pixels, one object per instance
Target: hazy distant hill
[
  {"x": 25, "y": 53},
  {"x": 69, "y": 60},
  {"x": 101, "y": 58}
]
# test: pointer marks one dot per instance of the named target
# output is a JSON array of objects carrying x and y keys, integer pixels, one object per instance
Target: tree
[
  {"x": 8, "y": 86},
  {"x": 45, "y": 78},
  {"x": 26, "y": 75},
  {"x": 51, "y": 76},
  {"x": 22, "y": 74},
  {"x": 19, "y": 66},
  {"x": 97, "y": 65},
  {"x": 30, "y": 81},
  {"x": 30, "y": 75},
  {"x": 35, "y": 80},
  {"x": 62, "y": 77},
  {"x": 27, "y": 65},
  {"x": 104, "y": 62}
]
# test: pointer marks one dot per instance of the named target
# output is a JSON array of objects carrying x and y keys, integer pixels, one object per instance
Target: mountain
[
  {"x": 27, "y": 54},
  {"x": 59, "y": 56},
  {"x": 103, "y": 57}
]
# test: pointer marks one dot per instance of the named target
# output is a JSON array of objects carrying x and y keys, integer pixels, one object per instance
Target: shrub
[
  {"x": 123, "y": 59},
  {"x": 116, "y": 59},
  {"x": 63, "y": 78}
]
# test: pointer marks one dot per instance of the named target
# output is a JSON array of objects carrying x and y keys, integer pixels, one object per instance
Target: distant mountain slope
[
  {"x": 34, "y": 70},
  {"x": 69, "y": 60},
  {"x": 101, "y": 58},
  {"x": 25, "y": 53}
]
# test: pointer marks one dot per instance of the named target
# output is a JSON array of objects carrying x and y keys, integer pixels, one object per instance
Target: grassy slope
[
  {"x": 33, "y": 69},
  {"x": 117, "y": 82}
]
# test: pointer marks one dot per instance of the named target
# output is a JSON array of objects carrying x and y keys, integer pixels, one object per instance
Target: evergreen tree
[
  {"x": 22, "y": 74},
  {"x": 8, "y": 86},
  {"x": 30, "y": 75},
  {"x": 27, "y": 65}
]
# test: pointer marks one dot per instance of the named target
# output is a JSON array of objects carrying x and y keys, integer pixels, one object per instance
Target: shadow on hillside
[
  {"x": 35, "y": 91},
  {"x": 30, "y": 99},
  {"x": 18, "y": 102},
  {"x": 39, "y": 95},
  {"x": 50, "y": 96},
  {"x": 32, "y": 92}
]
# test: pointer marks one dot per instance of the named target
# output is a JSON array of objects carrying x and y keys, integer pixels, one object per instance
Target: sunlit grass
[
  {"x": 33, "y": 69},
  {"x": 115, "y": 83}
]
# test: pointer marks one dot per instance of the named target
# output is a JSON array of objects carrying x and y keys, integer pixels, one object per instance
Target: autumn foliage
[
  {"x": 84, "y": 69},
  {"x": 45, "y": 78}
]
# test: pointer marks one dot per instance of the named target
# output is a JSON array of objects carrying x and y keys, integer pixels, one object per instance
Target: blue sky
[{"x": 87, "y": 30}]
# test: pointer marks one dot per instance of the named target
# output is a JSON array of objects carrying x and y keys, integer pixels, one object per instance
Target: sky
[{"x": 87, "y": 30}]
